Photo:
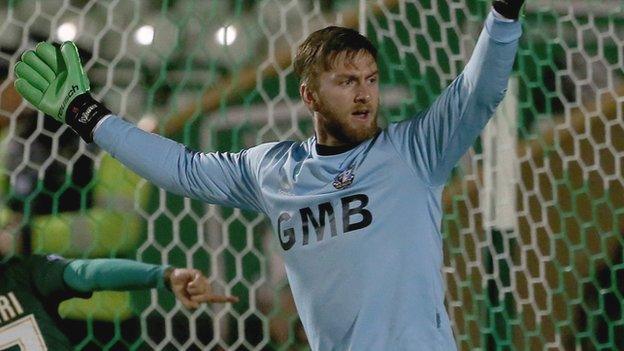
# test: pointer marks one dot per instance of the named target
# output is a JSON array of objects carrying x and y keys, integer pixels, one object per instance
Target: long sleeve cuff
[
  {"x": 502, "y": 30},
  {"x": 99, "y": 123},
  {"x": 112, "y": 274}
]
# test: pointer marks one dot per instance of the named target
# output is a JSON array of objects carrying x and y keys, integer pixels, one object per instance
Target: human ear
[{"x": 309, "y": 97}]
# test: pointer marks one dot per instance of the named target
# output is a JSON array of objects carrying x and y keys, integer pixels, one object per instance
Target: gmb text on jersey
[{"x": 353, "y": 213}]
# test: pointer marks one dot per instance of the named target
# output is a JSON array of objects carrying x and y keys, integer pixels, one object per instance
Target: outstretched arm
[
  {"x": 190, "y": 286},
  {"x": 227, "y": 179},
  {"x": 52, "y": 79},
  {"x": 433, "y": 141},
  {"x": 112, "y": 274}
]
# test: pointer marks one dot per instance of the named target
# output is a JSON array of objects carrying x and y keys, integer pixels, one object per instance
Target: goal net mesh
[{"x": 534, "y": 213}]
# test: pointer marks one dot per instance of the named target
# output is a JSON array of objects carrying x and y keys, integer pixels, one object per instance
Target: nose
[{"x": 363, "y": 95}]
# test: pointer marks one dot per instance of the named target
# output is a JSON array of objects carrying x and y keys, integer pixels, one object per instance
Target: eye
[
  {"x": 348, "y": 82},
  {"x": 372, "y": 79}
]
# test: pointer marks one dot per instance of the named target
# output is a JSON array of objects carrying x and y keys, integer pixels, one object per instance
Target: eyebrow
[
  {"x": 342, "y": 76},
  {"x": 372, "y": 74}
]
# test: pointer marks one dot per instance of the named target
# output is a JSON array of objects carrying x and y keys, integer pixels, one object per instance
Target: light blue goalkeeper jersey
[{"x": 359, "y": 231}]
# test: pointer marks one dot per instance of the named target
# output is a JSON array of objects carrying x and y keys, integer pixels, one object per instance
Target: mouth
[{"x": 362, "y": 114}]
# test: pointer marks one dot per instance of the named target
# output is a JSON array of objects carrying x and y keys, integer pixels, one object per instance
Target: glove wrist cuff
[
  {"x": 83, "y": 114},
  {"x": 506, "y": 9}
]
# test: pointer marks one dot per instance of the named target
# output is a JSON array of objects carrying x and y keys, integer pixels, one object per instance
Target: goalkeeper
[
  {"x": 33, "y": 286},
  {"x": 362, "y": 246}
]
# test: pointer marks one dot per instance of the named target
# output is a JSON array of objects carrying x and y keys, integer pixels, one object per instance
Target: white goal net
[{"x": 534, "y": 213}]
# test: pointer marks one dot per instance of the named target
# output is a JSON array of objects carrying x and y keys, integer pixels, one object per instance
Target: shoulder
[
  {"x": 27, "y": 262},
  {"x": 269, "y": 152},
  {"x": 268, "y": 157},
  {"x": 43, "y": 265},
  {"x": 47, "y": 259},
  {"x": 27, "y": 267},
  {"x": 402, "y": 122},
  {"x": 400, "y": 130},
  {"x": 271, "y": 148}
]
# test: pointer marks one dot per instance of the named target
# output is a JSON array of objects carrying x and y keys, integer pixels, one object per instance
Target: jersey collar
[{"x": 326, "y": 150}]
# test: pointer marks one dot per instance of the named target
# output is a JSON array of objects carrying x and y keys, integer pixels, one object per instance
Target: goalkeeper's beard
[{"x": 342, "y": 128}]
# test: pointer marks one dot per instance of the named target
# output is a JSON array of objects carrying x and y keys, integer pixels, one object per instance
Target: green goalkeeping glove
[
  {"x": 53, "y": 80},
  {"x": 508, "y": 8}
]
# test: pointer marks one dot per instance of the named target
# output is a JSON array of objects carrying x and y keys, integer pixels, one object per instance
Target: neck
[{"x": 323, "y": 137}]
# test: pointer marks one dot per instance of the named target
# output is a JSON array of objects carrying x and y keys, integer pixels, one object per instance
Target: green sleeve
[{"x": 112, "y": 274}]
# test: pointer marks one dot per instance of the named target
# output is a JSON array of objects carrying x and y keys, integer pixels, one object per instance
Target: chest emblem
[{"x": 344, "y": 179}]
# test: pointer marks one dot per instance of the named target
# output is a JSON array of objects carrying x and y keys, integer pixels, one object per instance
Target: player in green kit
[{"x": 32, "y": 287}]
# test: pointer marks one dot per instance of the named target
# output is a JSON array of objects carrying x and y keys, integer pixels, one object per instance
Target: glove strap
[
  {"x": 83, "y": 115},
  {"x": 508, "y": 8}
]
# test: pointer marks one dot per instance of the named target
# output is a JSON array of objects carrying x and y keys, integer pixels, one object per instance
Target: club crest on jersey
[{"x": 344, "y": 179}]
